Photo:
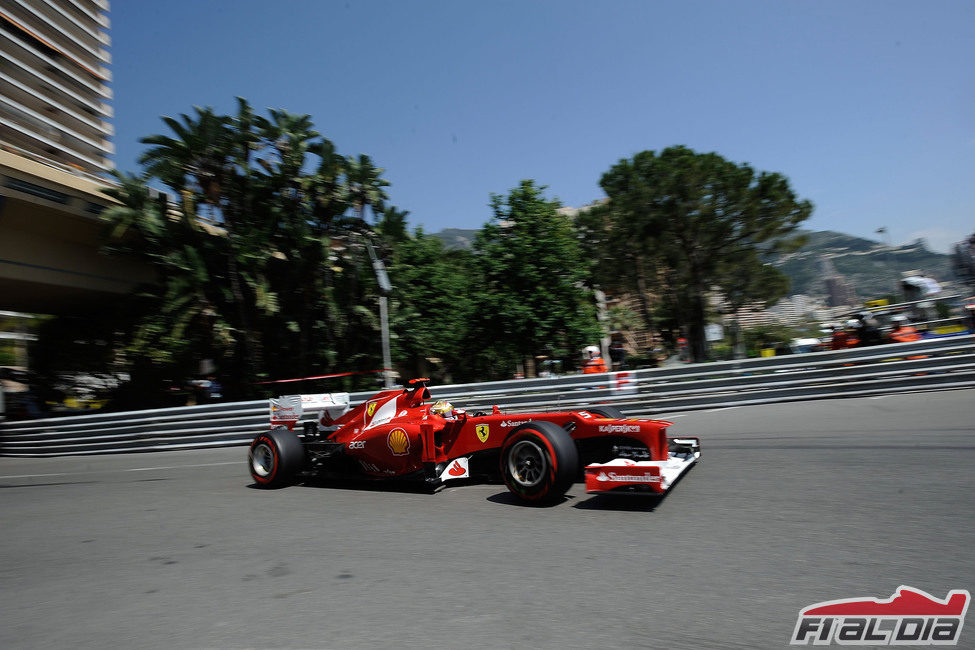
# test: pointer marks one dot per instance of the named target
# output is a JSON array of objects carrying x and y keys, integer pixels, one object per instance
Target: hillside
[
  {"x": 457, "y": 238},
  {"x": 869, "y": 266}
]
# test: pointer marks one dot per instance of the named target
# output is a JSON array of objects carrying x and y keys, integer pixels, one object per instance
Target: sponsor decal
[
  {"x": 285, "y": 408},
  {"x": 513, "y": 423},
  {"x": 456, "y": 469},
  {"x": 619, "y": 428},
  {"x": 909, "y": 617},
  {"x": 357, "y": 444},
  {"x": 482, "y": 431},
  {"x": 402, "y": 413},
  {"x": 378, "y": 413},
  {"x": 459, "y": 468},
  {"x": 628, "y": 478},
  {"x": 628, "y": 451},
  {"x": 398, "y": 442},
  {"x": 369, "y": 467},
  {"x": 585, "y": 414}
]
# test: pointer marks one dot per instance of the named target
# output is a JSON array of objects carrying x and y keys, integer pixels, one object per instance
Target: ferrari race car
[{"x": 397, "y": 435}]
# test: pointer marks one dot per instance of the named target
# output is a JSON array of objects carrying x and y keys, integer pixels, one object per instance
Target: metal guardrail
[{"x": 924, "y": 365}]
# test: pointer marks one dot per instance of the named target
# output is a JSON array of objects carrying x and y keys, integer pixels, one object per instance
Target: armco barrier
[{"x": 926, "y": 365}]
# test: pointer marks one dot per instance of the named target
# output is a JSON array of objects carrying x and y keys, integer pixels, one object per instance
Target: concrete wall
[{"x": 50, "y": 235}]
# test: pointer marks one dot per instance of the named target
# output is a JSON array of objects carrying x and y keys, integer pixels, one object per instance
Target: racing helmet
[
  {"x": 853, "y": 324},
  {"x": 592, "y": 350},
  {"x": 443, "y": 408}
]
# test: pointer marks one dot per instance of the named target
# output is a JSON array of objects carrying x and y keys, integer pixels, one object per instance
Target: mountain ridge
[{"x": 872, "y": 268}]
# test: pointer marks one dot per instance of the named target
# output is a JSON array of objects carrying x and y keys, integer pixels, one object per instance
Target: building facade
[
  {"x": 54, "y": 90},
  {"x": 54, "y": 154}
]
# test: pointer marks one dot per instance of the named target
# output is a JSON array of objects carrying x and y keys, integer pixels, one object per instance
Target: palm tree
[
  {"x": 269, "y": 277},
  {"x": 364, "y": 185},
  {"x": 204, "y": 164},
  {"x": 199, "y": 154},
  {"x": 183, "y": 321},
  {"x": 392, "y": 226}
]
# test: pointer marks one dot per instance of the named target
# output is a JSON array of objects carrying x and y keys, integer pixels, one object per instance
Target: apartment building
[{"x": 54, "y": 82}]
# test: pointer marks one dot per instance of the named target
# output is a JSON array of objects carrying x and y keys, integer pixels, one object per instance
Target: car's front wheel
[
  {"x": 539, "y": 462},
  {"x": 275, "y": 458}
]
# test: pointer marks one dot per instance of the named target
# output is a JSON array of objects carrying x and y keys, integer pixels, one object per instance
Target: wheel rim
[
  {"x": 527, "y": 463},
  {"x": 262, "y": 460}
]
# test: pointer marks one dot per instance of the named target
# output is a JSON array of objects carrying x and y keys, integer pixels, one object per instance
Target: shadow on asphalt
[
  {"x": 621, "y": 502},
  {"x": 508, "y": 499},
  {"x": 359, "y": 485}
]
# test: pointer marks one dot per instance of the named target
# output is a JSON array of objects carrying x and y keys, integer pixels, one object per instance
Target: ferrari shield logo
[
  {"x": 371, "y": 409},
  {"x": 482, "y": 431}
]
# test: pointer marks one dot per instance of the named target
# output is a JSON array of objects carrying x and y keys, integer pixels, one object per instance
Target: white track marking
[
  {"x": 111, "y": 471},
  {"x": 149, "y": 469}
]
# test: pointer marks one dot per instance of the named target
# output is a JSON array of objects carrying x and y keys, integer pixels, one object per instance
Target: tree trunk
[
  {"x": 644, "y": 298},
  {"x": 698, "y": 319}
]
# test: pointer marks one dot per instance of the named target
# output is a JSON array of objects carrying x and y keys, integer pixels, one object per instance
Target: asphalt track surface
[{"x": 791, "y": 505}]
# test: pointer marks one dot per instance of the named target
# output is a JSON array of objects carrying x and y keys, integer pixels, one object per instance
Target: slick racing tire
[
  {"x": 275, "y": 458},
  {"x": 539, "y": 462},
  {"x": 610, "y": 412}
]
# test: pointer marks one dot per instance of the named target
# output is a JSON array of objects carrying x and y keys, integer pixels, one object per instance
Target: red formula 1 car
[{"x": 396, "y": 434}]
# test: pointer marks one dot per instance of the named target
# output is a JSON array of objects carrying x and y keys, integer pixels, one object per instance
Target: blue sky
[{"x": 868, "y": 107}]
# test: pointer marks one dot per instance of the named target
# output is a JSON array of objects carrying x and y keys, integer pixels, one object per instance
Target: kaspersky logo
[{"x": 909, "y": 617}]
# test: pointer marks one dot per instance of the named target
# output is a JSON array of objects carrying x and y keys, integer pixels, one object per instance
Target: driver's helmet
[
  {"x": 592, "y": 350},
  {"x": 443, "y": 408},
  {"x": 853, "y": 324}
]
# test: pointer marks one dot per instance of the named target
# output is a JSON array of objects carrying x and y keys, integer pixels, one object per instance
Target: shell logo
[
  {"x": 371, "y": 409},
  {"x": 398, "y": 442}
]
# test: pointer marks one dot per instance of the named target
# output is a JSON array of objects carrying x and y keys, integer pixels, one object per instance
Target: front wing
[{"x": 655, "y": 476}]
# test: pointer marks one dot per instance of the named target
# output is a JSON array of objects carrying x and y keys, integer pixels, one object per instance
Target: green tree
[
  {"x": 750, "y": 281},
  {"x": 694, "y": 218},
  {"x": 180, "y": 317},
  {"x": 262, "y": 265},
  {"x": 532, "y": 301},
  {"x": 434, "y": 307}
]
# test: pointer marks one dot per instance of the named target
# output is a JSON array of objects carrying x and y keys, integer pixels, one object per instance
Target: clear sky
[{"x": 867, "y": 106}]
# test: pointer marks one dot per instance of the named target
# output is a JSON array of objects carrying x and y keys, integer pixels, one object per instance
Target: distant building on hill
[{"x": 838, "y": 290}]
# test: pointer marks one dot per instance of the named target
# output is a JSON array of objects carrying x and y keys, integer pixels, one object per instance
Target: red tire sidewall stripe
[
  {"x": 274, "y": 452},
  {"x": 552, "y": 461}
]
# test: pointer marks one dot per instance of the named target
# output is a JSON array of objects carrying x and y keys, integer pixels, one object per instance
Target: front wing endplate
[{"x": 654, "y": 476}]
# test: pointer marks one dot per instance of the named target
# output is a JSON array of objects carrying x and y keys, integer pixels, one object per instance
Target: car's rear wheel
[
  {"x": 610, "y": 412},
  {"x": 275, "y": 458},
  {"x": 539, "y": 462}
]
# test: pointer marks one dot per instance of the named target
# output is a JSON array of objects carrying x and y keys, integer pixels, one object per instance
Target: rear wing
[{"x": 288, "y": 410}]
